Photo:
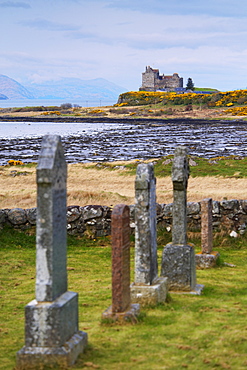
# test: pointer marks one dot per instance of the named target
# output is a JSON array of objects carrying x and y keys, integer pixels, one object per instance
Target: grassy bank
[
  {"x": 143, "y": 104},
  {"x": 112, "y": 183},
  {"x": 194, "y": 332}
]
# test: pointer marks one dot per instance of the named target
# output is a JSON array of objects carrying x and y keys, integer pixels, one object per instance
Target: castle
[{"x": 153, "y": 81}]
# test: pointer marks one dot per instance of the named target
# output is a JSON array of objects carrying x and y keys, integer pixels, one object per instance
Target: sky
[{"x": 205, "y": 40}]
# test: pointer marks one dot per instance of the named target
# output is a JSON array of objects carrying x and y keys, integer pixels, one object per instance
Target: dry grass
[
  {"x": 104, "y": 187},
  {"x": 141, "y": 111}
]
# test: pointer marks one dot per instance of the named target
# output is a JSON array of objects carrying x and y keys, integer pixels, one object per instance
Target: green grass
[
  {"x": 205, "y": 89},
  {"x": 194, "y": 332},
  {"x": 232, "y": 167}
]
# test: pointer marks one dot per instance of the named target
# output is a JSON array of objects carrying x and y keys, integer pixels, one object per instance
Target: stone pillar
[
  {"x": 146, "y": 266},
  {"x": 180, "y": 175},
  {"x": 178, "y": 258},
  {"x": 206, "y": 226},
  {"x": 121, "y": 308},
  {"x": 51, "y": 320},
  {"x": 207, "y": 258}
]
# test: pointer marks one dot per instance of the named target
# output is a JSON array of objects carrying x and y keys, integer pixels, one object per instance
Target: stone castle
[{"x": 153, "y": 81}]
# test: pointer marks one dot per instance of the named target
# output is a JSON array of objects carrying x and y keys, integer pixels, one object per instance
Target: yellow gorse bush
[
  {"x": 13, "y": 162},
  {"x": 96, "y": 111},
  {"x": 237, "y": 111},
  {"x": 51, "y": 112},
  {"x": 218, "y": 99}
]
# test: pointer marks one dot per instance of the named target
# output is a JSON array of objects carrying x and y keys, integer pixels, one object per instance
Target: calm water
[
  {"x": 95, "y": 142},
  {"x": 9, "y": 103}
]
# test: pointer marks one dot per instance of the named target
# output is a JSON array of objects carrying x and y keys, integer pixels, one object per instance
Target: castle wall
[
  {"x": 152, "y": 81},
  {"x": 148, "y": 80}
]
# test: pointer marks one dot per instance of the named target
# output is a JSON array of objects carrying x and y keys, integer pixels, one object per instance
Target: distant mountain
[
  {"x": 76, "y": 88},
  {"x": 3, "y": 97},
  {"x": 12, "y": 89},
  {"x": 64, "y": 88}
]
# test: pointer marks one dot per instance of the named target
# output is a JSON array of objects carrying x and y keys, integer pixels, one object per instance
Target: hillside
[
  {"x": 3, "y": 97},
  {"x": 13, "y": 89},
  {"x": 235, "y": 101},
  {"x": 64, "y": 88}
]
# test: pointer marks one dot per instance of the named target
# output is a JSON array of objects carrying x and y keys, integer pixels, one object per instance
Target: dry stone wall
[{"x": 95, "y": 220}]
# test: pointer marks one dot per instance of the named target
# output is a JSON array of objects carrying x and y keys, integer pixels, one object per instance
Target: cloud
[
  {"x": 14, "y": 4},
  {"x": 44, "y": 24},
  {"x": 85, "y": 35},
  {"x": 116, "y": 39},
  {"x": 226, "y": 8}
]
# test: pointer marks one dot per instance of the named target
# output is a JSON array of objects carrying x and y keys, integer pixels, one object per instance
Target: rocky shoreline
[
  {"x": 127, "y": 120},
  {"x": 123, "y": 139}
]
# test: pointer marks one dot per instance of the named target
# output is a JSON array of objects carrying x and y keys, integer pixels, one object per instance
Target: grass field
[
  {"x": 193, "y": 332},
  {"x": 112, "y": 183}
]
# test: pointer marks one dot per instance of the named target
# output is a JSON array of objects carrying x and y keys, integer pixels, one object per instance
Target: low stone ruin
[{"x": 95, "y": 220}]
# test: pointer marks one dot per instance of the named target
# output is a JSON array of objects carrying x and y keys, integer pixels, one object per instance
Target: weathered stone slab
[
  {"x": 51, "y": 232},
  {"x": 149, "y": 294},
  {"x": 51, "y": 324},
  {"x": 129, "y": 315},
  {"x": 206, "y": 261},
  {"x": 147, "y": 288},
  {"x": 146, "y": 266},
  {"x": 207, "y": 258},
  {"x": 121, "y": 308},
  {"x": 180, "y": 175},
  {"x": 178, "y": 258},
  {"x": 120, "y": 258},
  {"x": 206, "y": 226},
  {"x": 51, "y": 320},
  {"x": 178, "y": 265},
  {"x": 61, "y": 357}
]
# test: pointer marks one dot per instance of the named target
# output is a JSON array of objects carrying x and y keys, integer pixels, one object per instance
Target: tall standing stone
[
  {"x": 146, "y": 266},
  {"x": 178, "y": 258},
  {"x": 51, "y": 320},
  {"x": 206, "y": 226},
  {"x": 121, "y": 308},
  {"x": 51, "y": 234},
  {"x": 207, "y": 258},
  {"x": 180, "y": 176}
]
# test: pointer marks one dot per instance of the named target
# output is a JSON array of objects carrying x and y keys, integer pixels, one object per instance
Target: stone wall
[{"x": 95, "y": 220}]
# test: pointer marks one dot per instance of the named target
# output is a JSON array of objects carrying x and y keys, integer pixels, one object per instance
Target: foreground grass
[{"x": 194, "y": 332}]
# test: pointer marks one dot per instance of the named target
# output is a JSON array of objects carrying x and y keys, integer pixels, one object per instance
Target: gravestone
[
  {"x": 178, "y": 258},
  {"x": 206, "y": 226},
  {"x": 207, "y": 258},
  {"x": 51, "y": 320},
  {"x": 148, "y": 288},
  {"x": 121, "y": 308}
]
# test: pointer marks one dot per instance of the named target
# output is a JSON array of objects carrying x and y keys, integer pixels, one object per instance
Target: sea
[
  {"x": 99, "y": 142},
  {"x": 10, "y": 103}
]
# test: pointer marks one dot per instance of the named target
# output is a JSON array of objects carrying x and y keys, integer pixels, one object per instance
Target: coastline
[{"x": 125, "y": 120}]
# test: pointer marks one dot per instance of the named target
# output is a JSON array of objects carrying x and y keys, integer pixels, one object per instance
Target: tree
[{"x": 190, "y": 84}]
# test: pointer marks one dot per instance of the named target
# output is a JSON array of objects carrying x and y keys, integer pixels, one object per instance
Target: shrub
[
  {"x": 66, "y": 106},
  {"x": 13, "y": 162},
  {"x": 242, "y": 100}
]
